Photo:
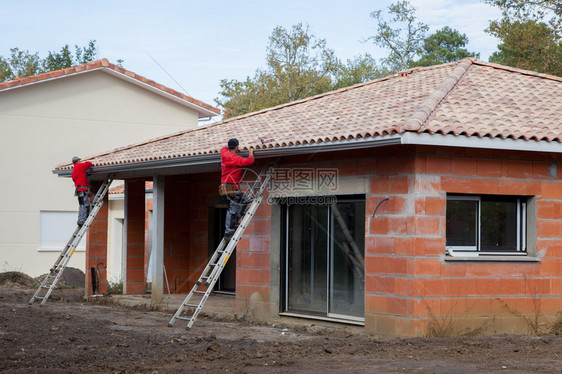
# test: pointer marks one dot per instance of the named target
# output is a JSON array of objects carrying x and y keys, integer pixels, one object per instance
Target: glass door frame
[{"x": 285, "y": 276}]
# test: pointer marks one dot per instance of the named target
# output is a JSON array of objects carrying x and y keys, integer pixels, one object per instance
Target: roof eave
[
  {"x": 202, "y": 112},
  {"x": 507, "y": 144},
  {"x": 214, "y": 158},
  {"x": 408, "y": 138}
]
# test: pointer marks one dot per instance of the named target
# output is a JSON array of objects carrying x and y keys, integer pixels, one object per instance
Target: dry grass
[{"x": 446, "y": 327}]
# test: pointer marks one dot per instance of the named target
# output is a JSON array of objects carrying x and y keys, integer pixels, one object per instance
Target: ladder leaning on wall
[
  {"x": 50, "y": 281},
  {"x": 218, "y": 260}
]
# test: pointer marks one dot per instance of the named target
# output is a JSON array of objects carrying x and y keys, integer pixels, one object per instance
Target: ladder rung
[
  {"x": 191, "y": 305},
  {"x": 38, "y": 297},
  {"x": 205, "y": 277},
  {"x": 47, "y": 287},
  {"x": 184, "y": 318},
  {"x": 203, "y": 292}
]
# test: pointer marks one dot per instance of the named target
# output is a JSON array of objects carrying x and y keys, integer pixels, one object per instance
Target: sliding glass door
[{"x": 324, "y": 263}]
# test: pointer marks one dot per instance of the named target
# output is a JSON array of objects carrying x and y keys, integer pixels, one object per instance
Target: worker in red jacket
[
  {"x": 232, "y": 169},
  {"x": 80, "y": 179}
]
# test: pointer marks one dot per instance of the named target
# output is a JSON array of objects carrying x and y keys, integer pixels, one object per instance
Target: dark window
[{"x": 486, "y": 224}]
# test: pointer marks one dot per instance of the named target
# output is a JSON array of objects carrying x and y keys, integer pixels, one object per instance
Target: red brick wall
[
  {"x": 187, "y": 200},
  {"x": 253, "y": 266},
  {"x": 96, "y": 249},
  {"x": 470, "y": 290},
  {"x": 407, "y": 282},
  {"x": 135, "y": 210}
]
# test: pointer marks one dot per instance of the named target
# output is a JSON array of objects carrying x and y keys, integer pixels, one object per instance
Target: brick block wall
[
  {"x": 186, "y": 224},
  {"x": 407, "y": 281},
  {"x": 96, "y": 249},
  {"x": 474, "y": 292},
  {"x": 253, "y": 266},
  {"x": 136, "y": 223}
]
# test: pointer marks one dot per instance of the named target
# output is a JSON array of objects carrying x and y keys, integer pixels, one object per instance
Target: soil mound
[
  {"x": 71, "y": 278},
  {"x": 11, "y": 279}
]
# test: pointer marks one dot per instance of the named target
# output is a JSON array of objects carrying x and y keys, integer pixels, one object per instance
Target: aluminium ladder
[
  {"x": 50, "y": 281},
  {"x": 218, "y": 260}
]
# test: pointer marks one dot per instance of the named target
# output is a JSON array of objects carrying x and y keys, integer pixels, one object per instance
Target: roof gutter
[
  {"x": 214, "y": 158},
  {"x": 412, "y": 138},
  {"x": 484, "y": 142}
]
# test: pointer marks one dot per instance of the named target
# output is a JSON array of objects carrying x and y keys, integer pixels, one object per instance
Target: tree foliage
[
  {"x": 445, "y": 45},
  {"x": 528, "y": 44},
  {"x": 530, "y": 33},
  {"x": 402, "y": 35},
  {"x": 532, "y": 9},
  {"x": 22, "y": 63},
  {"x": 360, "y": 69},
  {"x": 298, "y": 65}
]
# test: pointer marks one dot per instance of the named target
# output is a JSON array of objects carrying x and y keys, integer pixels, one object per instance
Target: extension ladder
[
  {"x": 218, "y": 260},
  {"x": 50, "y": 281}
]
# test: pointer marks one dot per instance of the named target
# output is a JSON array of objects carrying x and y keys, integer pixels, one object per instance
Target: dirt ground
[{"x": 68, "y": 335}]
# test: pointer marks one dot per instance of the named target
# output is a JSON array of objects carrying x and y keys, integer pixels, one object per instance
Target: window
[
  {"x": 55, "y": 229},
  {"x": 486, "y": 225},
  {"x": 324, "y": 258}
]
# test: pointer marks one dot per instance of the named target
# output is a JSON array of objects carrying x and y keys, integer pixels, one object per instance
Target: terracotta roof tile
[
  {"x": 105, "y": 64},
  {"x": 468, "y": 98}
]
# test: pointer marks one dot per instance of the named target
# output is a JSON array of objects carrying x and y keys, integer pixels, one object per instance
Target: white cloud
[{"x": 469, "y": 17}]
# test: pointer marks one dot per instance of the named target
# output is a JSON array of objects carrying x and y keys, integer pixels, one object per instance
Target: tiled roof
[
  {"x": 102, "y": 64},
  {"x": 465, "y": 98}
]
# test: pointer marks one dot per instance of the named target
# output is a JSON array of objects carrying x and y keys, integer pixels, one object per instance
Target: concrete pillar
[
  {"x": 135, "y": 224},
  {"x": 157, "y": 239}
]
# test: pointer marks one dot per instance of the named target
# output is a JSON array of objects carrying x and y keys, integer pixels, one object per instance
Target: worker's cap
[
  {"x": 233, "y": 143},
  {"x": 75, "y": 159}
]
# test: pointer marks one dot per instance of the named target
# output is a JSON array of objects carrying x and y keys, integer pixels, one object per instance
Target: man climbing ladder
[
  {"x": 231, "y": 176},
  {"x": 50, "y": 281},
  {"x": 220, "y": 257}
]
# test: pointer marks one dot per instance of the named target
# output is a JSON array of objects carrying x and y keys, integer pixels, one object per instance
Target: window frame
[
  {"x": 476, "y": 251},
  {"x": 55, "y": 230},
  {"x": 284, "y": 302}
]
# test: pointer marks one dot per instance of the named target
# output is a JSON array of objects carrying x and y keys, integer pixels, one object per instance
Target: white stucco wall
[
  {"x": 45, "y": 124},
  {"x": 115, "y": 222}
]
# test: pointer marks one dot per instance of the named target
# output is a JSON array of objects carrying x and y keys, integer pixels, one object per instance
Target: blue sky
[{"x": 201, "y": 42}]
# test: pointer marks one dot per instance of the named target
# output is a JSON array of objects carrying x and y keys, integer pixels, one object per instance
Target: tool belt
[
  {"x": 228, "y": 188},
  {"x": 76, "y": 189}
]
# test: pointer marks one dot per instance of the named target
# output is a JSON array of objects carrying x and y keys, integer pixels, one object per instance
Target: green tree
[
  {"x": 65, "y": 59},
  {"x": 360, "y": 69},
  {"x": 445, "y": 45},
  {"x": 532, "y": 9},
  {"x": 528, "y": 45},
  {"x": 402, "y": 35},
  {"x": 22, "y": 63},
  {"x": 298, "y": 65},
  {"x": 530, "y": 33}
]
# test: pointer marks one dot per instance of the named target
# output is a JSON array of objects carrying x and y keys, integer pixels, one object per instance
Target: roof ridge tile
[
  {"x": 420, "y": 116},
  {"x": 517, "y": 70}
]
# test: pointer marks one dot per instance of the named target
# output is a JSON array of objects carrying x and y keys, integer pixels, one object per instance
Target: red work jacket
[
  {"x": 231, "y": 165},
  {"x": 79, "y": 175}
]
